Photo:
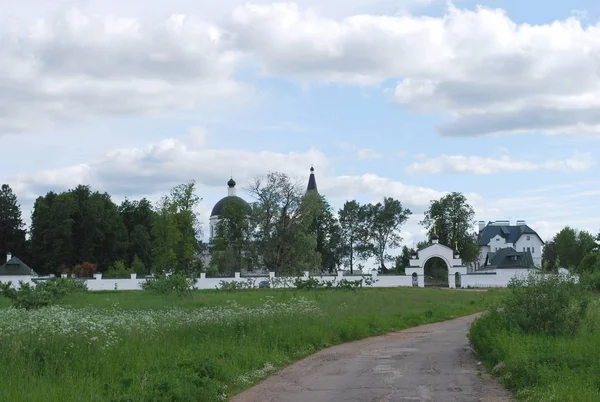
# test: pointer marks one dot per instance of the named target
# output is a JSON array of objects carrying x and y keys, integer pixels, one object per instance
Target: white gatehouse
[{"x": 456, "y": 269}]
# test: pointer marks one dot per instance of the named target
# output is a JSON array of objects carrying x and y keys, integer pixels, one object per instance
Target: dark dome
[
  {"x": 231, "y": 183},
  {"x": 239, "y": 202},
  {"x": 435, "y": 237}
]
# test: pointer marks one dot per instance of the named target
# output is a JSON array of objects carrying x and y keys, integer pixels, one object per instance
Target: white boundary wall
[{"x": 498, "y": 278}]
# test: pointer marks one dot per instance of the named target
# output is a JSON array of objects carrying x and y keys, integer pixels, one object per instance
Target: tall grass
[
  {"x": 137, "y": 346},
  {"x": 542, "y": 340}
]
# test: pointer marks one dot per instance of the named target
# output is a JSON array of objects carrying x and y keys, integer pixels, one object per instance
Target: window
[
  {"x": 528, "y": 249},
  {"x": 532, "y": 250},
  {"x": 212, "y": 231},
  {"x": 497, "y": 239},
  {"x": 528, "y": 237},
  {"x": 523, "y": 248}
]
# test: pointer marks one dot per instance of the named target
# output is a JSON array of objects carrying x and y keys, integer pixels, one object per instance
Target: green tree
[
  {"x": 328, "y": 232},
  {"x": 52, "y": 244},
  {"x": 137, "y": 217},
  {"x": 549, "y": 256},
  {"x": 352, "y": 232},
  {"x": 166, "y": 236},
  {"x": 382, "y": 228},
  {"x": 453, "y": 218},
  {"x": 12, "y": 234},
  {"x": 572, "y": 245},
  {"x": 283, "y": 238},
  {"x": 590, "y": 263},
  {"x": 231, "y": 248},
  {"x": 403, "y": 260}
]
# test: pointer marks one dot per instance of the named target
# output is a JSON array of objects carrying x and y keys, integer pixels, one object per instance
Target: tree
[
  {"x": 549, "y": 256},
  {"x": 232, "y": 243},
  {"x": 185, "y": 202},
  {"x": 166, "y": 236},
  {"x": 453, "y": 218},
  {"x": 403, "y": 260},
  {"x": 282, "y": 237},
  {"x": 590, "y": 263},
  {"x": 327, "y": 229},
  {"x": 382, "y": 228},
  {"x": 12, "y": 234},
  {"x": 352, "y": 220},
  {"x": 137, "y": 217},
  {"x": 572, "y": 245}
]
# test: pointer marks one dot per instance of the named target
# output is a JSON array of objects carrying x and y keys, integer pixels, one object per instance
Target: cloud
[
  {"x": 75, "y": 66},
  {"x": 489, "y": 74},
  {"x": 481, "y": 165}
]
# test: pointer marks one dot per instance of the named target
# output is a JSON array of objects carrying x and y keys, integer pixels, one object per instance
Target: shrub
[
  {"x": 138, "y": 267},
  {"x": 118, "y": 270},
  {"x": 168, "y": 284},
  {"x": 249, "y": 283},
  {"x": 84, "y": 270},
  {"x": 43, "y": 293},
  {"x": 554, "y": 305},
  {"x": 591, "y": 280}
]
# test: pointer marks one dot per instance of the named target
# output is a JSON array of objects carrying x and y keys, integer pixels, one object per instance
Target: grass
[
  {"x": 538, "y": 366},
  {"x": 138, "y": 346}
]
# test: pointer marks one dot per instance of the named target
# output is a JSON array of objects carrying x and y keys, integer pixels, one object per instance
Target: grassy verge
[
  {"x": 543, "y": 363},
  {"x": 137, "y": 346}
]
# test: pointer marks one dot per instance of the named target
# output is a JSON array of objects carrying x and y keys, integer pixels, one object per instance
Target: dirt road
[{"x": 429, "y": 363}]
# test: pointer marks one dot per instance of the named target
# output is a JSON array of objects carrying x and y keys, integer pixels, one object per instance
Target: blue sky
[{"x": 410, "y": 99}]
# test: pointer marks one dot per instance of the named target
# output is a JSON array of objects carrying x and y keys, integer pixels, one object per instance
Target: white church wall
[{"x": 15, "y": 279}]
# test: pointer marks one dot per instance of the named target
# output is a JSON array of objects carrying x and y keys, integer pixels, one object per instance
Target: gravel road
[{"x": 428, "y": 363}]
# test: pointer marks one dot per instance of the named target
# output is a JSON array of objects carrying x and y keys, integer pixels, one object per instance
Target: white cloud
[
  {"x": 489, "y": 73},
  {"x": 486, "y": 165},
  {"x": 75, "y": 65}
]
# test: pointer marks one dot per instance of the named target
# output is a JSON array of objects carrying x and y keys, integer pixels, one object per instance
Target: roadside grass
[
  {"x": 139, "y": 346},
  {"x": 536, "y": 365}
]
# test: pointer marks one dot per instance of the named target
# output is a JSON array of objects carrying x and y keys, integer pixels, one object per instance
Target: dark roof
[
  {"x": 510, "y": 233},
  {"x": 434, "y": 236},
  {"x": 509, "y": 258},
  {"x": 15, "y": 266},
  {"x": 312, "y": 182},
  {"x": 218, "y": 208}
]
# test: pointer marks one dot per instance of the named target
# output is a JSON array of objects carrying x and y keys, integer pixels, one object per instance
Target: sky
[{"x": 410, "y": 99}]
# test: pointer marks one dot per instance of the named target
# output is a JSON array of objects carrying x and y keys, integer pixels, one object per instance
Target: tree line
[
  {"x": 573, "y": 249},
  {"x": 285, "y": 230}
]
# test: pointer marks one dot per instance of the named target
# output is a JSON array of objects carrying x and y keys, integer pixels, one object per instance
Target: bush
[
  {"x": 176, "y": 283},
  {"x": 591, "y": 280},
  {"x": 43, "y": 293},
  {"x": 118, "y": 270},
  {"x": 84, "y": 270},
  {"x": 138, "y": 267},
  {"x": 554, "y": 305},
  {"x": 249, "y": 283}
]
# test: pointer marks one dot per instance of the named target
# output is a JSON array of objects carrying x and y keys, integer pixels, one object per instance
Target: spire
[
  {"x": 231, "y": 187},
  {"x": 312, "y": 182}
]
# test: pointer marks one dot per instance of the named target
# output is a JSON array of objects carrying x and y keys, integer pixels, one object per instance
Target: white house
[{"x": 499, "y": 235}]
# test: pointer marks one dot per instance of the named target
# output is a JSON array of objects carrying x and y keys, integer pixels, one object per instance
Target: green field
[
  {"x": 139, "y": 346},
  {"x": 538, "y": 365}
]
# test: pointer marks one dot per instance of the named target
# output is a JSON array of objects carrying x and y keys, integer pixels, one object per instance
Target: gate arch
[{"x": 452, "y": 260}]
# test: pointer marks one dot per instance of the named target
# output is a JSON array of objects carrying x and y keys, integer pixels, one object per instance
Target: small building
[
  {"x": 15, "y": 270},
  {"x": 498, "y": 235},
  {"x": 508, "y": 258}
]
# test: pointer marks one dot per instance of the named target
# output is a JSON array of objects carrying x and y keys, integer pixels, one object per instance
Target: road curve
[{"x": 432, "y": 362}]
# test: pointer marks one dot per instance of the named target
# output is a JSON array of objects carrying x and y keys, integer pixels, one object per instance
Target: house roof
[
  {"x": 509, "y": 258},
  {"x": 510, "y": 233},
  {"x": 16, "y": 267}
]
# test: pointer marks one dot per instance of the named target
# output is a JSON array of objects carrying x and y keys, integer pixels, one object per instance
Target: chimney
[
  {"x": 8, "y": 257},
  {"x": 481, "y": 225},
  {"x": 520, "y": 223}
]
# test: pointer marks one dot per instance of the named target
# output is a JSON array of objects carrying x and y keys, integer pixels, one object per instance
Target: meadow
[
  {"x": 543, "y": 342},
  {"x": 141, "y": 346}
]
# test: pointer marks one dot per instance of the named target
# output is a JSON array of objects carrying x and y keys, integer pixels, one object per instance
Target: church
[{"x": 232, "y": 196}]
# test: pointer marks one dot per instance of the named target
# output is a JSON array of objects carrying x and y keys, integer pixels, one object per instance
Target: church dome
[{"x": 237, "y": 201}]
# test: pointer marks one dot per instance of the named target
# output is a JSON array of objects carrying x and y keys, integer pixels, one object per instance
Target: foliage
[
  {"x": 249, "y": 283},
  {"x": 538, "y": 366},
  {"x": 12, "y": 234},
  {"x": 138, "y": 217},
  {"x": 41, "y": 294},
  {"x": 382, "y": 229},
  {"x": 313, "y": 283},
  {"x": 165, "y": 284},
  {"x": 84, "y": 270},
  {"x": 282, "y": 236},
  {"x": 138, "y": 267},
  {"x": 452, "y": 218},
  {"x": 590, "y": 263},
  {"x": 352, "y": 227},
  {"x": 118, "y": 270},
  {"x": 328, "y": 231},
  {"x": 590, "y": 280},
  {"x": 572, "y": 245}
]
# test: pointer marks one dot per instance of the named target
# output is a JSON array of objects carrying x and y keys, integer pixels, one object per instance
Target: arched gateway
[{"x": 446, "y": 254}]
